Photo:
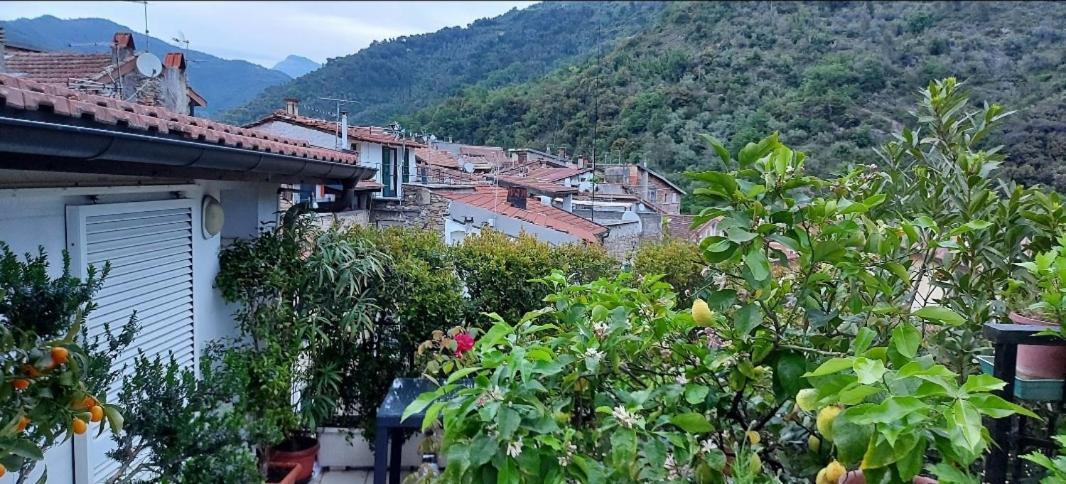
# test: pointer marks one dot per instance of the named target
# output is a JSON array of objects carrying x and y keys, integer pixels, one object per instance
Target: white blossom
[
  {"x": 593, "y": 353},
  {"x": 681, "y": 379},
  {"x": 600, "y": 329},
  {"x": 624, "y": 417},
  {"x": 721, "y": 280},
  {"x": 514, "y": 449},
  {"x": 708, "y": 446}
]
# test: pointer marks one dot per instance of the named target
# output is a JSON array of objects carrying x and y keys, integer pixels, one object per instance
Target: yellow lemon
[
  {"x": 753, "y": 437},
  {"x": 834, "y": 471},
  {"x": 755, "y": 464},
  {"x": 820, "y": 479},
  {"x": 701, "y": 313},
  {"x": 825, "y": 421},
  {"x": 814, "y": 443},
  {"x": 806, "y": 399}
]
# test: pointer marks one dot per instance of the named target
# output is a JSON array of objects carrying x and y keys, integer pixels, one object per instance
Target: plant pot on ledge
[
  {"x": 1035, "y": 361},
  {"x": 297, "y": 450},
  {"x": 283, "y": 472}
]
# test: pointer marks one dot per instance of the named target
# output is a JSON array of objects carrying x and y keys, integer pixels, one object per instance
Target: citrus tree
[{"x": 54, "y": 385}]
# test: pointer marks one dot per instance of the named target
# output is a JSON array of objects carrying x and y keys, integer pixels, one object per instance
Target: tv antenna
[
  {"x": 147, "y": 39},
  {"x": 181, "y": 40}
]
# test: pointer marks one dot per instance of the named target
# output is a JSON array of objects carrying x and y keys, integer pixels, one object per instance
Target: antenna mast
[{"x": 338, "y": 114}]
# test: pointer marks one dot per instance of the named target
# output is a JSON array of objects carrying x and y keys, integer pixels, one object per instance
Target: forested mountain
[
  {"x": 295, "y": 66},
  {"x": 833, "y": 77},
  {"x": 401, "y": 75},
  {"x": 224, "y": 83}
]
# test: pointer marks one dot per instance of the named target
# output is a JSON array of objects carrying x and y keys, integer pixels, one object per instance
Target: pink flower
[{"x": 463, "y": 343}]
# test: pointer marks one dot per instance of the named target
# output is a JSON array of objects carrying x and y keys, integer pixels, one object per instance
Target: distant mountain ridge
[
  {"x": 224, "y": 83},
  {"x": 399, "y": 76},
  {"x": 295, "y": 66}
]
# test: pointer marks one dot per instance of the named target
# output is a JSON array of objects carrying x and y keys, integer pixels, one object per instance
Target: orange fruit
[
  {"x": 60, "y": 355},
  {"x": 97, "y": 413},
  {"x": 3, "y": 470},
  {"x": 80, "y": 426},
  {"x": 20, "y": 383},
  {"x": 87, "y": 402},
  {"x": 24, "y": 421}
]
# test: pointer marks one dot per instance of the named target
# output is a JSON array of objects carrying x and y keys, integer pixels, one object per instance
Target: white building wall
[
  {"x": 36, "y": 217},
  {"x": 513, "y": 227}
]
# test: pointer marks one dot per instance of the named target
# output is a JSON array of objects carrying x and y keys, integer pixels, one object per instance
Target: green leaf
[
  {"x": 850, "y": 439},
  {"x": 862, "y": 340},
  {"x": 692, "y": 422},
  {"x": 789, "y": 368},
  {"x": 892, "y": 410},
  {"x": 757, "y": 263},
  {"x": 114, "y": 418},
  {"x": 940, "y": 314},
  {"x": 482, "y": 449},
  {"x": 982, "y": 383},
  {"x": 432, "y": 413},
  {"x": 906, "y": 340},
  {"x": 462, "y": 373},
  {"x": 748, "y": 318},
  {"x": 508, "y": 421},
  {"x": 718, "y": 147},
  {"x": 996, "y": 407},
  {"x": 695, "y": 394},
  {"x": 832, "y": 365},
  {"x": 420, "y": 403},
  {"x": 900, "y": 272},
  {"x": 495, "y": 334},
  {"x": 869, "y": 371},
  {"x": 27, "y": 449},
  {"x": 968, "y": 422}
]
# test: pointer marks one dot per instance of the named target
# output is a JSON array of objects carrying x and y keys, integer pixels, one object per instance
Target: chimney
[
  {"x": 292, "y": 106},
  {"x": 123, "y": 45},
  {"x": 344, "y": 131},
  {"x": 175, "y": 84},
  {"x": 3, "y": 53}
]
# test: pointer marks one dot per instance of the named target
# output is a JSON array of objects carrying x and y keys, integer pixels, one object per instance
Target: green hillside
[
  {"x": 402, "y": 75},
  {"x": 832, "y": 77}
]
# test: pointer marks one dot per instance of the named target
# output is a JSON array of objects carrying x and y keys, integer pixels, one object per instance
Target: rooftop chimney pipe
[
  {"x": 292, "y": 106},
  {"x": 344, "y": 131}
]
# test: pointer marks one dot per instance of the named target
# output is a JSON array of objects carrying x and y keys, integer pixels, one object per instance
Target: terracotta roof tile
[
  {"x": 547, "y": 173},
  {"x": 536, "y": 186},
  {"x": 174, "y": 60},
  {"x": 25, "y": 95},
  {"x": 494, "y": 199},
  {"x": 439, "y": 158},
  {"x": 370, "y": 134},
  {"x": 58, "y": 67}
]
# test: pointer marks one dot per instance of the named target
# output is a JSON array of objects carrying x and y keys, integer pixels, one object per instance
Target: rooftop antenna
[
  {"x": 339, "y": 102},
  {"x": 147, "y": 39},
  {"x": 182, "y": 40}
]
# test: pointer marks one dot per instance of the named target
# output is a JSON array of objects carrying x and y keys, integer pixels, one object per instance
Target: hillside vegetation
[
  {"x": 402, "y": 75},
  {"x": 833, "y": 77}
]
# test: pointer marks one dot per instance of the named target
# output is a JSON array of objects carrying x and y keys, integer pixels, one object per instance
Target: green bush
[{"x": 680, "y": 263}]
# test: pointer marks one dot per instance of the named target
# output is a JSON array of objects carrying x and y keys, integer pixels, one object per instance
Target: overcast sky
[{"x": 266, "y": 32}]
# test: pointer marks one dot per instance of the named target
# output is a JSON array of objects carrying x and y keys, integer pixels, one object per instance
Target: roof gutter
[{"x": 63, "y": 142}]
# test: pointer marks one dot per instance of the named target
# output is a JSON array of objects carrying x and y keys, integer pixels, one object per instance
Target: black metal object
[
  {"x": 1007, "y": 433},
  {"x": 391, "y": 427},
  {"x": 41, "y": 144}
]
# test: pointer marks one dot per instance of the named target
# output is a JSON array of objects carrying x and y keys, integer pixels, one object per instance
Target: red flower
[{"x": 463, "y": 343}]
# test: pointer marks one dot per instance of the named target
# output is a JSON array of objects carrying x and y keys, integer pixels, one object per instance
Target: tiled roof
[
  {"x": 494, "y": 199},
  {"x": 553, "y": 174},
  {"x": 536, "y": 186},
  {"x": 17, "y": 94},
  {"x": 174, "y": 60},
  {"x": 434, "y": 157},
  {"x": 492, "y": 155},
  {"x": 58, "y": 67},
  {"x": 370, "y": 134},
  {"x": 368, "y": 185}
]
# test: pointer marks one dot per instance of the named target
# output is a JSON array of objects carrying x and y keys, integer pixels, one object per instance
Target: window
[
  {"x": 149, "y": 247},
  {"x": 388, "y": 172}
]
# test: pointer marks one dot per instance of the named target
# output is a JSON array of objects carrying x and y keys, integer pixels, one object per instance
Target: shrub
[
  {"x": 52, "y": 376},
  {"x": 678, "y": 260}
]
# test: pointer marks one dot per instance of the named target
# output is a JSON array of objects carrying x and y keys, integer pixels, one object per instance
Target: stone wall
[
  {"x": 623, "y": 240},
  {"x": 420, "y": 208}
]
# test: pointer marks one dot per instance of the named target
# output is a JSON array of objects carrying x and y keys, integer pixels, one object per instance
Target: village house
[
  {"x": 652, "y": 188},
  {"x": 115, "y": 74},
  {"x": 513, "y": 211},
  {"x": 157, "y": 194},
  {"x": 522, "y": 156},
  {"x": 379, "y": 148}
]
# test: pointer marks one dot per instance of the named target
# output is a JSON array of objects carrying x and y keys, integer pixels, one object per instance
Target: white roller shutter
[{"x": 150, "y": 249}]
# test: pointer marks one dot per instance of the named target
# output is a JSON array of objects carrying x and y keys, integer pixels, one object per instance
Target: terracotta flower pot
[
  {"x": 856, "y": 477},
  {"x": 297, "y": 450},
  {"x": 283, "y": 472},
  {"x": 1040, "y": 361}
]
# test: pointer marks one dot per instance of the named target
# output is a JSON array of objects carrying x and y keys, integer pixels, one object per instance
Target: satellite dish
[
  {"x": 148, "y": 65},
  {"x": 468, "y": 167}
]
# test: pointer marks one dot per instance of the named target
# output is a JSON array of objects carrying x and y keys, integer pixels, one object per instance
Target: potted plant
[
  {"x": 296, "y": 288},
  {"x": 1048, "y": 270}
]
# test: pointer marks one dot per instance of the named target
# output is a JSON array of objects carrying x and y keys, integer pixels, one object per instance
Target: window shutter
[
  {"x": 150, "y": 249},
  {"x": 406, "y": 165}
]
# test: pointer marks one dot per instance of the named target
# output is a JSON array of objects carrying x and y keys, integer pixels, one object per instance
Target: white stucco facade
[
  {"x": 370, "y": 154},
  {"x": 34, "y": 213}
]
